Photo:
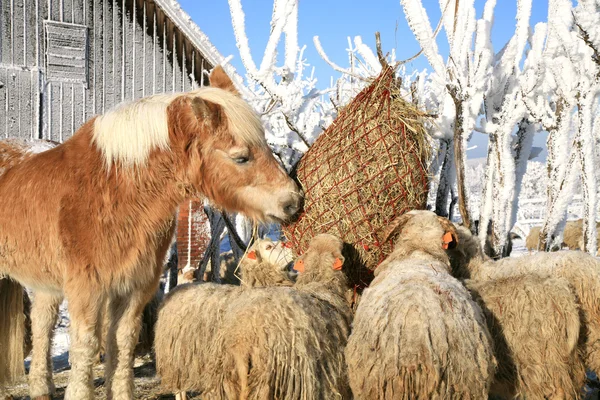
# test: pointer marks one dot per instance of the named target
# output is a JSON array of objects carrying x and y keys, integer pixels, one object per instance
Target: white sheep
[
  {"x": 579, "y": 269},
  {"x": 534, "y": 322},
  {"x": 191, "y": 317},
  {"x": 417, "y": 333},
  {"x": 288, "y": 343}
]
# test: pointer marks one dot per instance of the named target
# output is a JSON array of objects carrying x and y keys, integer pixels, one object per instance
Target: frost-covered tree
[
  {"x": 293, "y": 109},
  {"x": 561, "y": 94},
  {"x": 463, "y": 74},
  {"x": 508, "y": 148}
]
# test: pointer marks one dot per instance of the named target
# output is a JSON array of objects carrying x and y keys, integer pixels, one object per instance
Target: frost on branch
[
  {"x": 293, "y": 109},
  {"x": 464, "y": 74}
]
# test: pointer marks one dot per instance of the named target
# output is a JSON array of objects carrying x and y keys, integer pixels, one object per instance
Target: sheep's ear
[
  {"x": 338, "y": 263},
  {"x": 449, "y": 241},
  {"x": 299, "y": 266},
  {"x": 450, "y": 237},
  {"x": 395, "y": 227}
]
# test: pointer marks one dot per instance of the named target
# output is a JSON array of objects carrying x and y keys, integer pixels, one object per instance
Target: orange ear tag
[
  {"x": 337, "y": 264},
  {"x": 252, "y": 255},
  {"x": 299, "y": 266},
  {"x": 446, "y": 240}
]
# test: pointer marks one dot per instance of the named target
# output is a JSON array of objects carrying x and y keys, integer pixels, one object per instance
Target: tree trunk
[
  {"x": 585, "y": 151},
  {"x": 460, "y": 160},
  {"x": 445, "y": 182},
  {"x": 560, "y": 177}
]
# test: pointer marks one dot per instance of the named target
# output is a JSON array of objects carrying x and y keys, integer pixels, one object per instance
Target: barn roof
[{"x": 186, "y": 29}]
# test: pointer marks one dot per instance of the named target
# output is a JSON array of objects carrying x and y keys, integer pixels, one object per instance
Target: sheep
[
  {"x": 572, "y": 236},
  {"x": 417, "y": 333},
  {"x": 534, "y": 323},
  {"x": 276, "y": 252},
  {"x": 190, "y": 322},
  {"x": 288, "y": 343},
  {"x": 581, "y": 270},
  {"x": 533, "y": 238}
]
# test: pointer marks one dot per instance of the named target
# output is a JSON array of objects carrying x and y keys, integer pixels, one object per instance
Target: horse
[{"x": 92, "y": 219}]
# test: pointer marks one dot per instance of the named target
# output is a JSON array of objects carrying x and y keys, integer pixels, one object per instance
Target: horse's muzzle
[{"x": 293, "y": 205}]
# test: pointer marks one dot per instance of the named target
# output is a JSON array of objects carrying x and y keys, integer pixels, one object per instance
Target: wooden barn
[{"x": 63, "y": 61}]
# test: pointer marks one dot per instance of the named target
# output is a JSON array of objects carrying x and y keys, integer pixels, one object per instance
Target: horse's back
[{"x": 30, "y": 203}]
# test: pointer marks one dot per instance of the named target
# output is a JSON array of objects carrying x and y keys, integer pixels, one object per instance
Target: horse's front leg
[
  {"x": 44, "y": 312},
  {"x": 84, "y": 308},
  {"x": 125, "y": 323}
]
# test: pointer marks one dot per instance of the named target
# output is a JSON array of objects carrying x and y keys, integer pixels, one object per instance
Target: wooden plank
[
  {"x": 78, "y": 108},
  {"x": 30, "y": 36},
  {"x": 122, "y": 38},
  {"x": 90, "y": 19},
  {"x": 107, "y": 56},
  {"x": 55, "y": 10},
  {"x": 167, "y": 61},
  {"x": 13, "y": 102},
  {"x": 6, "y": 32},
  {"x": 3, "y": 102},
  {"x": 117, "y": 42},
  {"x": 132, "y": 11},
  {"x": 67, "y": 11},
  {"x": 42, "y": 12},
  {"x": 96, "y": 87},
  {"x": 78, "y": 8},
  {"x": 25, "y": 105}
]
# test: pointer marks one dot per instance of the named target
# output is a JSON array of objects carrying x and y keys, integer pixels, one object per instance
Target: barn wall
[{"x": 132, "y": 51}]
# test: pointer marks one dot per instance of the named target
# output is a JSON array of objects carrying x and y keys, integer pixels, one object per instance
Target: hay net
[{"x": 366, "y": 169}]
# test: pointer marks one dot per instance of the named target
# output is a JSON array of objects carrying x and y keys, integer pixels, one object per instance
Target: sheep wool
[
  {"x": 417, "y": 334},
  {"x": 580, "y": 270},
  {"x": 287, "y": 343},
  {"x": 534, "y": 322},
  {"x": 188, "y": 333}
]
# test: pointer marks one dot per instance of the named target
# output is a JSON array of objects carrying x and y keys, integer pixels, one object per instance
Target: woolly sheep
[
  {"x": 417, "y": 333},
  {"x": 190, "y": 325},
  {"x": 533, "y": 238},
  {"x": 288, "y": 343},
  {"x": 579, "y": 269},
  {"x": 275, "y": 252},
  {"x": 534, "y": 323},
  {"x": 572, "y": 236}
]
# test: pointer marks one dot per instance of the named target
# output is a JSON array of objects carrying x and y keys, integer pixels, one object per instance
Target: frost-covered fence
[{"x": 532, "y": 212}]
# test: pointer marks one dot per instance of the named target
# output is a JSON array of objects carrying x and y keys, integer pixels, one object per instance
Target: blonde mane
[{"x": 130, "y": 131}]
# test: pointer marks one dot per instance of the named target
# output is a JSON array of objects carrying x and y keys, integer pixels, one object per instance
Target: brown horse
[{"x": 92, "y": 219}]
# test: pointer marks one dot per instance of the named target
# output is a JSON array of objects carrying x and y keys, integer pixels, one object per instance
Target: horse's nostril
[{"x": 291, "y": 208}]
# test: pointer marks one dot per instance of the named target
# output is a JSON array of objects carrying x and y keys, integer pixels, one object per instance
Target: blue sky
[{"x": 334, "y": 20}]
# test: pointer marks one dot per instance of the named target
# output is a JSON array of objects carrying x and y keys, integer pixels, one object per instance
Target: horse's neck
[{"x": 147, "y": 193}]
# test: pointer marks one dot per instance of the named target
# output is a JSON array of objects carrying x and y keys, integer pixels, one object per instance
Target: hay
[{"x": 367, "y": 168}]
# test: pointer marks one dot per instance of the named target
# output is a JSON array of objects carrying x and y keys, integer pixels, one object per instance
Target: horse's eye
[{"x": 241, "y": 160}]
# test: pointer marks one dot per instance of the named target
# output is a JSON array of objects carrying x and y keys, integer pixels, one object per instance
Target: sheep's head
[
  {"x": 467, "y": 256},
  {"x": 265, "y": 264},
  {"x": 422, "y": 230},
  {"x": 322, "y": 261},
  {"x": 277, "y": 253}
]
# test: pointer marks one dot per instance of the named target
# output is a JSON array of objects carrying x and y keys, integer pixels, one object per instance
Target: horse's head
[{"x": 228, "y": 159}]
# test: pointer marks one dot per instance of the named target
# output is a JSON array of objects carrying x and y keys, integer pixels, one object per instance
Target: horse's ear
[
  {"x": 206, "y": 112},
  {"x": 218, "y": 78}
]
